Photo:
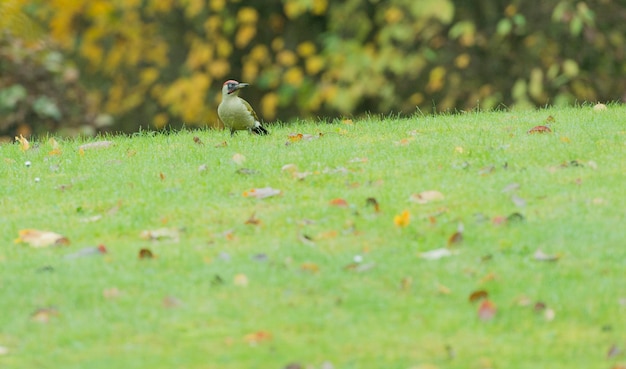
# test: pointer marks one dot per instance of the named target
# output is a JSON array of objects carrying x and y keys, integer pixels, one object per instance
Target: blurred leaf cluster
[{"x": 153, "y": 63}]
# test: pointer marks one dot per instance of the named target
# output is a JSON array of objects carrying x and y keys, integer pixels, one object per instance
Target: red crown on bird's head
[{"x": 230, "y": 81}]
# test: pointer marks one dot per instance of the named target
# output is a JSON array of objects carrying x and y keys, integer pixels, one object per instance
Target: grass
[{"x": 233, "y": 295}]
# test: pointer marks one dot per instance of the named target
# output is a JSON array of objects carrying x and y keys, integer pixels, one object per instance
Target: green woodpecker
[{"x": 235, "y": 112}]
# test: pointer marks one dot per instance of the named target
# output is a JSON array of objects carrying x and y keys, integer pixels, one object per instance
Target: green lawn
[{"x": 285, "y": 288}]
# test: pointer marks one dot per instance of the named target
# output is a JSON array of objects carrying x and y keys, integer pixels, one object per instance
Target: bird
[{"x": 236, "y": 113}]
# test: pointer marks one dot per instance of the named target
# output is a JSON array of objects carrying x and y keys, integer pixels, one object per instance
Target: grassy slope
[{"x": 351, "y": 319}]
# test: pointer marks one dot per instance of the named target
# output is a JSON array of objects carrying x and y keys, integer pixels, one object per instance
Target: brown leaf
[
  {"x": 146, "y": 254},
  {"x": 43, "y": 315},
  {"x": 38, "y": 239},
  {"x": 455, "y": 239},
  {"x": 171, "y": 302},
  {"x": 253, "y": 220},
  {"x": 371, "y": 201},
  {"x": 487, "y": 310},
  {"x": 222, "y": 144},
  {"x": 540, "y": 129},
  {"x": 339, "y": 203},
  {"x": 162, "y": 176},
  {"x": 478, "y": 295},
  {"x": 550, "y": 119},
  {"x": 24, "y": 145},
  {"x": 197, "y": 140}
]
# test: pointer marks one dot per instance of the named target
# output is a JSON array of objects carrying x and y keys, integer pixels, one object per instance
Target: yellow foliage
[
  {"x": 213, "y": 24},
  {"x": 245, "y": 34},
  {"x": 294, "y": 76},
  {"x": 149, "y": 75},
  {"x": 278, "y": 44},
  {"x": 319, "y": 7},
  {"x": 462, "y": 60},
  {"x": 286, "y": 58},
  {"x": 200, "y": 54},
  {"x": 260, "y": 54},
  {"x": 294, "y": 8},
  {"x": 393, "y": 15},
  {"x": 436, "y": 79},
  {"x": 250, "y": 71},
  {"x": 269, "y": 103},
  {"x": 306, "y": 48},
  {"x": 217, "y": 5},
  {"x": 247, "y": 15},
  {"x": 224, "y": 48},
  {"x": 193, "y": 7},
  {"x": 219, "y": 68},
  {"x": 416, "y": 99},
  {"x": 314, "y": 64},
  {"x": 160, "y": 120}
]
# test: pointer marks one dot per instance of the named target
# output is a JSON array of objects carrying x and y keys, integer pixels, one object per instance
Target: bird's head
[{"x": 231, "y": 87}]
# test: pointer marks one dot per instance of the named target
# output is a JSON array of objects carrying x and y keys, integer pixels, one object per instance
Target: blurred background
[{"x": 83, "y": 66}]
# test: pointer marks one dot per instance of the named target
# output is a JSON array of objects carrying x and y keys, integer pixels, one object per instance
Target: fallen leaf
[
  {"x": 549, "y": 315},
  {"x": 261, "y": 193},
  {"x": 541, "y": 256},
  {"x": 39, "y": 239},
  {"x": 487, "y": 310},
  {"x": 486, "y": 170},
  {"x": 443, "y": 290},
  {"x": 240, "y": 280},
  {"x": 306, "y": 239},
  {"x": 146, "y": 254},
  {"x": 239, "y": 159},
  {"x": 253, "y": 220},
  {"x": 339, "y": 203},
  {"x": 455, "y": 239},
  {"x": 426, "y": 197},
  {"x": 371, "y": 201},
  {"x": 437, "y": 254},
  {"x": 403, "y": 219},
  {"x": 613, "y": 352},
  {"x": 310, "y": 267},
  {"x": 171, "y": 302},
  {"x": 246, "y": 171},
  {"x": 95, "y": 145},
  {"x": 295, "y": 137},
  {"x": 258, "y": 337},
  {"x": 43, "y": 315},
  {"x": 478, "y": 295},
  {"x": 518, "y": 201},
  {"x": 222, "y": 144},
  {"x": 24, "y": 145},
  {"x": 511, "y": 187},
  {"x": 540, "y": 129},
  {"x": 404, "y": 141},
  {"x": 161, "y": 234},
  {"x": 197, "y": 140},
  {"x": 111, "y": 293},
  {"x": 347, "y": 121}
]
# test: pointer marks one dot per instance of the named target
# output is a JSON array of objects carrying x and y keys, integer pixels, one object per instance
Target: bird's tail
[{"x": 258, "y": 129}]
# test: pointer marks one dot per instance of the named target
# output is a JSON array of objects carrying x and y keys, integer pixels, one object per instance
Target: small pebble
[
  {"x": 358, "y": 258},
  {"x": 37, "y": 179},
  {"x": 27, "y": 163}
]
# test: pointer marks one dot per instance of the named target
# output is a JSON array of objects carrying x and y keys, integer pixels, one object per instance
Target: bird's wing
[{"x": 250, "y": 110}]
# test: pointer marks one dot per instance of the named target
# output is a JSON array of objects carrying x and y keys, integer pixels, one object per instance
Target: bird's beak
[{"x": 238, "y": 87}]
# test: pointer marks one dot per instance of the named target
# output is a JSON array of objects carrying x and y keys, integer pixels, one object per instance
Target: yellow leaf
[
  {"x": 286, "y": 58},
  {"x": 319, "y": 7},
  {"x": 314, "y": 64},
  {"x": 241, "y": 280},
  {"x": 269, "y": 103},
  {"x": 40, "y": 239},
  {"x": 294, "y": 76},
  {"x": 305, "y": 49},
  {"x": 24, "y": 145},
  {"x": 247, "y": 15},
  {"x": 244, "y": 35},
  {"x": 403, "y": 219},
  {"x": 310, "y": 267}
]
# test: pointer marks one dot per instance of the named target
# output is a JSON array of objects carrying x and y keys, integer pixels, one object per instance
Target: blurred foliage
[{"x": 159, "y": 62}]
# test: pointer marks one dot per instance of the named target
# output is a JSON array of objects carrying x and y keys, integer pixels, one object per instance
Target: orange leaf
[
  {"x": 295, "y": 137},
  {"x": 24, "y": 145},
  {"x": 339, "y": 202},
  {"x": 162, "y": 176},
  {"x": 487, "y": 310},
  {"x": 539, "y": 129},
  {"x": 253, "y": 220},
  {"x": 403, "y": 219},
  {"x": 455, "y": 239},
  {"x": 258, "y": 337}
]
